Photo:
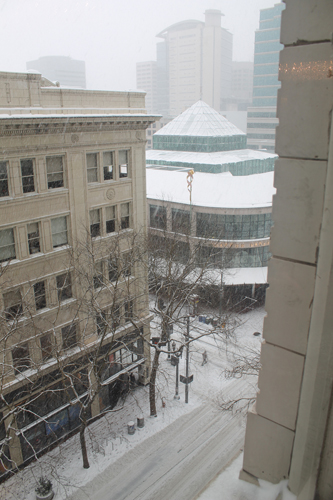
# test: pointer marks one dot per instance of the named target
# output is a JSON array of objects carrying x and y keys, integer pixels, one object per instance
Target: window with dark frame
[
  {"x": 59, "y": 231},
  {"x": 21, "y": 358},
  {"x": 123, "y": 163},
  {"x": 125, "y": 215},
  {"x": 113, "y": 269},
  {"x": 92, "y": 167},
  {"x": 115, "y": 313},
  {"x": 101, "y": 322},
  {"x": 46, "y": 346},
  {"x": 69, "y": 336},
  {"x": 108, "y": 165},
  {"x": 128, "y": 310},
  {"x": 110, "y": 216},
  {"x": 33, "y": 238},
  {"x": 98, "y": 275},
  {"x": 158, "y": 216},
  {"x": 27, "y": 174},
  {"x": 40, "y": 295},
  {"x": 7, "y": 245},
  {"x": 126, "y": 264},
  {"x": 55, "y": 172},
  {"x": 13, "y": 304},
  {"x": 181, "y": 221},
  {"x": 4, "y": 191},
  {"x": 64, "y": 287},
  {"x": 95, "y": 223}
]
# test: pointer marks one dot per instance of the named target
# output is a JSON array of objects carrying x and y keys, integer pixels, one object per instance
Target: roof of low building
[
  {"x": 200, "y": 120},
  {"x": 219, "y": 190},
  {"x": 214, "y": 158}
]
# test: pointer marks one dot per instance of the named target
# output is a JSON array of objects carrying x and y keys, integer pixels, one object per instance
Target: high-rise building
[
  {"x": 146, "y": 78},
  {"x": 242, "y": 84},
  {"x": 194, "y": 61},
  {"x": 262, "y": 119},
  {"x": 70, "y": 180},
  {"x": 65, "y": 70}
]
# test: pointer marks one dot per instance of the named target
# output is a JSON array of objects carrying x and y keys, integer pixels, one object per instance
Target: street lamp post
[
  {"x": 175, "y": 361},
  {"x": 187, "y": 356}
]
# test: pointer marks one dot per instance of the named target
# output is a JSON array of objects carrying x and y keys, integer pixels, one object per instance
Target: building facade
[
  {"x": 146, "y": 78},
  {"x": 289, "y": 432},
  {"x": 262, "y": 120},
  {"x": 193, "y": 62},
  {"x": 229, "y": 215},
  {"x": 241, "y": 85},
  {"x": 65, "y": 70},
  {"x": 72, "y": 200}
]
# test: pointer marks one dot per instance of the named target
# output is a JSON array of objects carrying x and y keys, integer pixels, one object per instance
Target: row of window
[
  {"x": 261, "y": 125},
  {"x": 110, "y": 270},
  {"x": 209, "y": 256},
  {"x": 45, "y": 419},
  {"x": 233, "y": 258},
  {"x": 7, "y": 238},
  {"x": 234, "y": 227},
  {"x": 230, "y": 227},
  {"x": 13, "y": 299},
  {"x": 261, "y": 136},
  {"x": 106, "y": 321},
  {"x": 59, "y": 230},
  {"x": 54, "y": 172},
  {"x": 100, "y": 167},
  {"x": 110, "y": 216},
  {"x": 109, "y": 319}
]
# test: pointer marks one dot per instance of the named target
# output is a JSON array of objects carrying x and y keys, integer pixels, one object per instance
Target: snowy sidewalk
[{"x": 175, "y": 463}]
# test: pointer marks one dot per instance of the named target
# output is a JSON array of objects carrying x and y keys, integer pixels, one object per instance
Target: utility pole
[{"x": 187, "y": 339}]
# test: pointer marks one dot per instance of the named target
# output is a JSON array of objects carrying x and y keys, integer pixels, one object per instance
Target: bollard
[
  {"x": 131, "y": 427},
  {"x": 140, "y": 422}
]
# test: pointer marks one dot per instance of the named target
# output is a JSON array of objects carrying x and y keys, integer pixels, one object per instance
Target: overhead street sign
[{"x": 185, "y": 380}]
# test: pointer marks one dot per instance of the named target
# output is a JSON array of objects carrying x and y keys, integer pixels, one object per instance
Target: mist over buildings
[{"x": 111, "y": 37}]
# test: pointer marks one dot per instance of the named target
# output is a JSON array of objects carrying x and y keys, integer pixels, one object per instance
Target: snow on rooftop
[
  {"x": 88, "y": 113},
  {"x": 200, "y": 120},
  {"x": 243, "y": 275},
  {"x": 216, "y": 158},
  {"x": 211, "y": 190}
]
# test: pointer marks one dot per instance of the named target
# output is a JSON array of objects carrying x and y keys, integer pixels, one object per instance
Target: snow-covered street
[
  {"x": 175, "y": 455},
  {"x": 175, "y": 463}
]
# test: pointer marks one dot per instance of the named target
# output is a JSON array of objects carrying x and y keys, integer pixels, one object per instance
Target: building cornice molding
[{"x": 74, "y": 125}]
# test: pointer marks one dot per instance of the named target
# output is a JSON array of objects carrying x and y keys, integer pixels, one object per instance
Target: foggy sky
[{"x": 111, "y": 35}]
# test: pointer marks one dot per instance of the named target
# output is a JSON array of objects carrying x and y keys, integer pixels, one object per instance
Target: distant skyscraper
[
  {"x": 65, "y": 70},
  {"x": 146, "y": 79},
  {"x": 193, "y": 62},
  {"x": 242, "y": 83},
  {"x": 262, "y": 119}
]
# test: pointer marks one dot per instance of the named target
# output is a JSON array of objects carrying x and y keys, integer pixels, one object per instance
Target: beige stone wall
[
  {"x": 25, "y": 90},
  {"x": 71, "y": 138},
  {"x": 285, "y": 431}
]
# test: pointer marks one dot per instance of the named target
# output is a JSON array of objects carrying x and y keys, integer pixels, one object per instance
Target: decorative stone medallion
[
  {"x": 110, "y": 194},
  {"x": 74, "y": 138}
]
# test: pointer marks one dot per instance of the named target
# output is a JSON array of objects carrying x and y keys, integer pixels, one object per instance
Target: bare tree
[
  {"x": 68, "y": 343},
  {"x": 180, "y": 268},
  {"x": 244, "y": 364}
]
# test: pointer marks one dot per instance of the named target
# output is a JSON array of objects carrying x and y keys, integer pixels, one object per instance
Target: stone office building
[{"x": 72, "y": 181}]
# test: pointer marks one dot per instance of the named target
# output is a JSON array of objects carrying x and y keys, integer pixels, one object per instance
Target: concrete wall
[{"x": 286, "y": 430}]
